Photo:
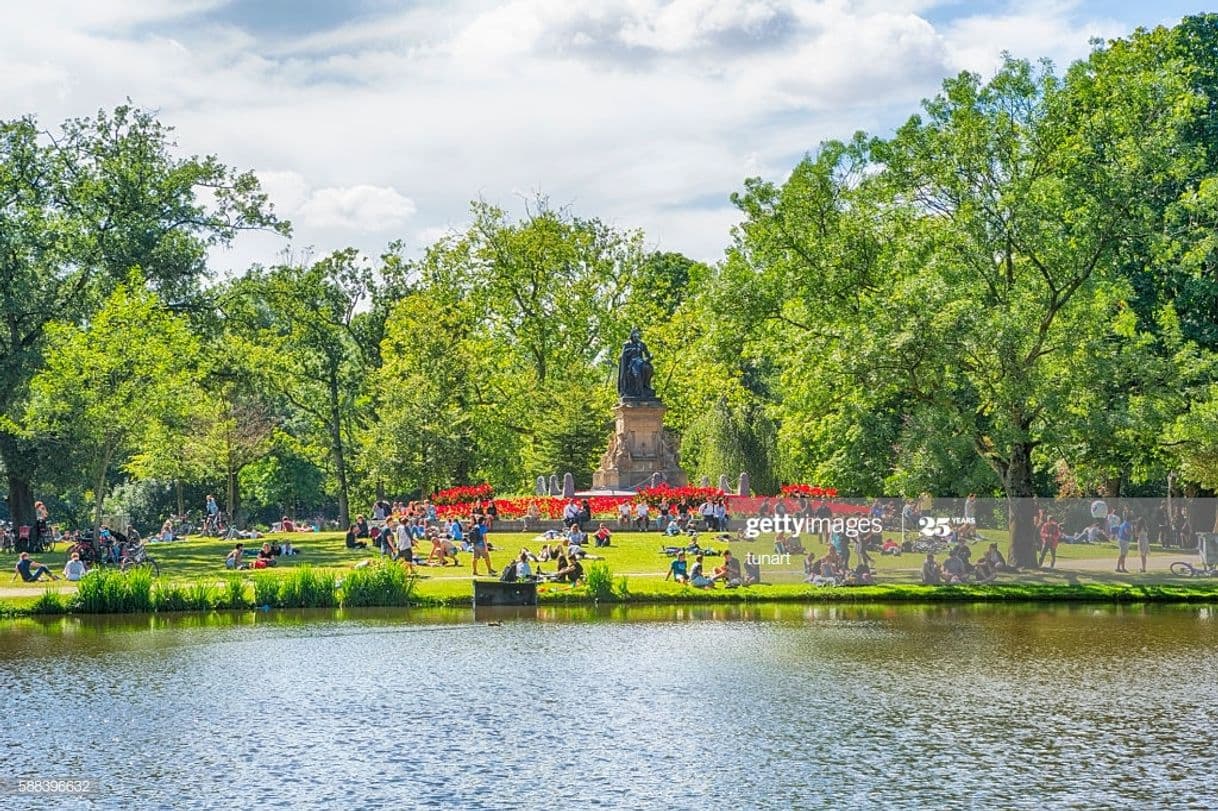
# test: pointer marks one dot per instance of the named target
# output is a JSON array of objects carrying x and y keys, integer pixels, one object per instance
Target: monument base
[{"x": 639, "y": 449}]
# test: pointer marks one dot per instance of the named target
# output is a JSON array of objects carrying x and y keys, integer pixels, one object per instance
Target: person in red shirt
[{"x": 1050, "y": 534}]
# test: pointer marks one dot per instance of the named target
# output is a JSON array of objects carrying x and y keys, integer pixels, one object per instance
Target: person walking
[{"x": 1050, "y": 535}]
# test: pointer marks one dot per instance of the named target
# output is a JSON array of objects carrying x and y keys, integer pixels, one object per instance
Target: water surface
[{"x": 693, "y": 707}]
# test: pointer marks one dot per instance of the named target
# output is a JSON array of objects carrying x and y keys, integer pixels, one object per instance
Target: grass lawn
[{"x": 1082, "y": 571}]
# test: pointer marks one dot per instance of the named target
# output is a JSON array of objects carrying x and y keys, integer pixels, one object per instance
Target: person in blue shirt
[
  {"x": 31, "y": 570},
  {"x": 679, "y": 570},
  {"x": 478, "y": 544},
  {"x": 1124, "y": 534}
]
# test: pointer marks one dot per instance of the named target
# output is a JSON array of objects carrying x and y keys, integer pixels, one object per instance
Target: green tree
[
  {"x": 78, "y": 211},
  {"x": 111, "y": 383}
]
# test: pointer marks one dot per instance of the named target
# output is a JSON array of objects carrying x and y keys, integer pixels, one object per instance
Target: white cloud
[
  {"x": 357, "y": 208},
  {"x": 642, "y": 112}
]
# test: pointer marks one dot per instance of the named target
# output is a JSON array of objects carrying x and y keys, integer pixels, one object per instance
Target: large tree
[{"x": 81, "y": 207}]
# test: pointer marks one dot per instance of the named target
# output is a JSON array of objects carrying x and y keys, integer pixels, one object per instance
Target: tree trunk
[
  {"x": 340, "y": 461},
  {"x": 1021, "y": 512},
  {"x": 19, "y": 466},
  {"x": 181, "y": 498},
  {"x": 233, "y": 497}
]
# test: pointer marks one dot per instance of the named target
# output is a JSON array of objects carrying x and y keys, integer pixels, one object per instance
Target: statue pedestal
[{"x": 638, "y": 449}]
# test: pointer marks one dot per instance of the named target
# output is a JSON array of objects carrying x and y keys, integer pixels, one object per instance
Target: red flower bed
[
  {"x": 808, "y": 490},
  {"x": 461, "y": 495},
  {"x": 694, "y": 495}
]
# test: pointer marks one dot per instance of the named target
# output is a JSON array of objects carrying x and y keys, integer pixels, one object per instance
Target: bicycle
[
  {"x": 137, "y": 556},
  {"x": 1207, "y": 549}
]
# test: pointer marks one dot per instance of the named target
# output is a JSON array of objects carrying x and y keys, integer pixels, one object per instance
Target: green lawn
[{"x": 637, "y": 556}]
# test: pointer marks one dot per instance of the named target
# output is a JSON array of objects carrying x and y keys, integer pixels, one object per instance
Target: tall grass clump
[
  {"x": 381, "y": 584},
  {"x": 200, "y": 597},
  {"x": 600, "y": 581},
  {"x": 266, "y": 590},
  {"x": 109, "y": 591},
  {"x": 49, "y": 603},
  {"x": 306, "y": 587},
  {"x": 234, "y": 594},
  {"x": 169, "y": 597},
  {"x": 622, "y": 589}
]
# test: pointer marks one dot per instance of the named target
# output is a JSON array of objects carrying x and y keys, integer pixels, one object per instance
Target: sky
[{"x": 370, "y": 121}]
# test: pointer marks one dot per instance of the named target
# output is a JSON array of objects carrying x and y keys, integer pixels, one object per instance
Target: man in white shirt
[
  {"x": 405, "y": 544},
  {"x": 75, "y": 568},
  {"x": 623, "y": 515},
  {"x": 642, "y": 516}
]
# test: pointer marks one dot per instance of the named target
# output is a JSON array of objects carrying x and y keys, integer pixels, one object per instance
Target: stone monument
[{"x": 640, "y": 448}]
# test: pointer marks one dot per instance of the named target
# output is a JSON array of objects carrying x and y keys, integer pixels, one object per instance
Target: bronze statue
[{"x": 634, "y": 370}]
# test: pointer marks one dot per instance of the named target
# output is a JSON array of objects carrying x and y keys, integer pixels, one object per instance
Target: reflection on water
[{"x": 778, "y": 706}]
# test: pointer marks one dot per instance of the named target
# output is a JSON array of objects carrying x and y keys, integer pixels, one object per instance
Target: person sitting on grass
[
  {"x": 75, "y": 568},
  {"x": 729, "y": 572},
  {"x": 266, "y": 557},
  {"x": 572, "y": 571},
  {"x": 826, "y": 571},
  {"x": 523, "y": 570},
  {"x": 30, "y": 570},
  {"x": 994, "y": 559},
  {"x": 287, "y": 524},
  {"x": 961, "y": 551},
  {"x": 603, "y": 535},
  {"x": 577, "y": 536},
  {"x": 353, "y": 538},
  {"x": 697, "y": 576},
  {"x": 984, "y": 571},
  {"x": 861, "y": 576},
  {"x": 932, "y": 573},
  {"x": 954, "y": 570},
  {"x": 891, "y": 547},
  {"x": 235, "y": 557},
  {"x": 678, "y": 569},
  {"x": 673, "y": 529}
]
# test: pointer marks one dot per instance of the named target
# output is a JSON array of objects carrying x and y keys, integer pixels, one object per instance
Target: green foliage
[
  {"x": 233, "y": 596},
  {"x": 621, "y": 589},
  {"x": 306, "y": 587},
  {"x": 49, "y": 602},
  {"x": 599, "y": 578},
  {"x": 380, "y": 584},
  {"x": 266, "y": 590},
  {"x": 109, "y": 591}
]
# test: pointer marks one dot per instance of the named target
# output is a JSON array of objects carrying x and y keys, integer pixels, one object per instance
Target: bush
[
  {"x": 307, "y": 587},
  {"x": 200, "y": 597},
  {"x": 622, "y": 589},
  {"x": 109, "y": 591},
  {"x": 600, "y": 581},
  {"x": 234, "y": 594},
  {"x": 169, "y": 597},
  {"x": 381, "y": 584},
  {"x": 49, "y": 603},
  {"x": 266, "y": 590}
]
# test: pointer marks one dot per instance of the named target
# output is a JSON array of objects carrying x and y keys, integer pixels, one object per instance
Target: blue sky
[{"x": 371, "y": 120}]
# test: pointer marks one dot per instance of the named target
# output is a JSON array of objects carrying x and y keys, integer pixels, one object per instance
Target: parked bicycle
[
  {"x": 136, "y": 556},
  {"x": 1207, "y": 549}
]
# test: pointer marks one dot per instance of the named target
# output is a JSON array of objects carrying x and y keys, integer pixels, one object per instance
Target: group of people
[
  {"x": 674, "y": 517},
  {"x": 266, "y": 557},
  {"x": 730, "y": 572},
  {"x": 958, "y": 567}
]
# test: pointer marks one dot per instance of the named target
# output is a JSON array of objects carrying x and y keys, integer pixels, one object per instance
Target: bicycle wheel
[
  {"x": 151, "y": 564},
  {"x": 1182, "y": 569}
]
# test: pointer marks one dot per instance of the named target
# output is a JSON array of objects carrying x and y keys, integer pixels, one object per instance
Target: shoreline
[{"x": 786, "y": 594}]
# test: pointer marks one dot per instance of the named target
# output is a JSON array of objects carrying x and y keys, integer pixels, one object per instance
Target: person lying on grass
[{"x": 30, "y": 570}]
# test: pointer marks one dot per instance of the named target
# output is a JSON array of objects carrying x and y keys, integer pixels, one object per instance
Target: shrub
[
  {"x": 169, "y": 597},
  {"x": 307, "y": 587},
  {"x": 381, "y": 584},
  {"x": 266, "y": 589},
  {"x": 622, "y": 589},
  {"x": 109, "y": 591},
  {"x": 600, "y": 581},
  {"x": 49, "y": 603},
  {"x": 234, "y": 594},
  {"x": 200, "y": 597}
]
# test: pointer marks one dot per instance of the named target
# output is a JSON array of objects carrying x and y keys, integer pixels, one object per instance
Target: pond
[{"x": 773, "y": 706}]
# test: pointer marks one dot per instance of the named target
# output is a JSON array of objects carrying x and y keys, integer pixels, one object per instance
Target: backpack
[{"x": 508, "y": 575}]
